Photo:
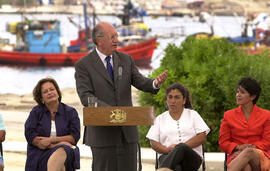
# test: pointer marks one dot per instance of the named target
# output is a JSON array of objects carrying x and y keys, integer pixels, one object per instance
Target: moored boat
[
  {"x": 255, "y": 36},
  {"x": 38, "y": 45},
  {"x": 141, "y": 53}
]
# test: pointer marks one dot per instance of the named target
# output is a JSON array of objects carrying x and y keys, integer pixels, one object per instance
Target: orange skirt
[{"x": 264, "y": 161}]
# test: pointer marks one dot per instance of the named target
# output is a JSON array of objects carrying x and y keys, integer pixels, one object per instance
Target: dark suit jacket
[{"x": 92, "y": 78}]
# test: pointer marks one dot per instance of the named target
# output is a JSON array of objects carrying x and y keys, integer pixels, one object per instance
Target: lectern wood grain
[{"x": 118, "y": 116}]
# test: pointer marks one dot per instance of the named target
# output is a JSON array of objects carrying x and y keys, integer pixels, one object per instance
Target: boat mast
[
  {"x": 85, "y": 20},
  {"x": 24, "y": 9}
]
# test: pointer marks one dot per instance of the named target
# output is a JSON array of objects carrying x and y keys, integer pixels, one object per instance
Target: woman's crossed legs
[{"x": 247, "y": 160}]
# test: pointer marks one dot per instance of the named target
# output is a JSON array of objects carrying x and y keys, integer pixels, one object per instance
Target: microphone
[{"x": 120, "y": 72}]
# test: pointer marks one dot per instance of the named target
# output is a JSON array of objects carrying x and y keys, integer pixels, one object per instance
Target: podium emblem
[{"x": 118, "y": 116}]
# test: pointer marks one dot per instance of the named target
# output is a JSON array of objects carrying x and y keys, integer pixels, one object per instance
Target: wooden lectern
[{"x": 118, "y": 116}]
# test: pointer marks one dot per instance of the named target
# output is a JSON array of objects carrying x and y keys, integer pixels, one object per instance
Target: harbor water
[{"x": 21, "y": 80}]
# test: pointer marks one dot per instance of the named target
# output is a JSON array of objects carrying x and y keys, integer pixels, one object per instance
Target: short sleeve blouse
[
  {"x": 168, "y": 131},
  {"x": 2, "y": 125}
]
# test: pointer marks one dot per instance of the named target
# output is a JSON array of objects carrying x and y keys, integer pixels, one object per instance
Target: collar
[
  {"x": 101, "y": 55},
  {"x": 60, "y": 109},
  {"x": 255, "y": 108}
]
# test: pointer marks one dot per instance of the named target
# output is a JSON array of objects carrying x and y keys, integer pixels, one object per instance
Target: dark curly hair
[
  {"x": 37, "y": 90},
  {"x": 252, "y": 87},
  {"x": 183, "y": 90}
]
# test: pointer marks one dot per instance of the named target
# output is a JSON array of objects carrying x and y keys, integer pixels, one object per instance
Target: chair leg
[
  {"x": 225, "y": 162},
  {"x": 156, "y": 164},
  {"x": 139, "y": 156},
  {"x": 203, "y": 162}
]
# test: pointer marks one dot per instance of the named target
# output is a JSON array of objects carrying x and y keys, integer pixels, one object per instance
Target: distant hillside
[
  {"x": 152, "y": 7},
  {"x": 240, "y": 7}
]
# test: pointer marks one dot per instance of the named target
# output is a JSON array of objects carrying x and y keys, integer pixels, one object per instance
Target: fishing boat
[
  {"x": 41, "y": 47},
  {"x": 255, "y": 36},
  {"x": 140, "y": 52},
  {"x": 38, "y": 44}
]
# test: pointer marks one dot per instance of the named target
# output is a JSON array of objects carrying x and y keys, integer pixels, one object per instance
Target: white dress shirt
[
  {"x": 102, "y": 58},
  {"x": 168, "y": 131},
  {"x": 53, "y": 128}
]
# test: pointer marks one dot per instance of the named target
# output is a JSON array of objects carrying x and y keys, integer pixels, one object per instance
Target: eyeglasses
[
  {"x": 111, "y": 38},
  {"x": 114, "y": 37}
]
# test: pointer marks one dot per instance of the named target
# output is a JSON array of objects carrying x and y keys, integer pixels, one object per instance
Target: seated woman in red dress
[
  {"x": 52, "y": 130},
  {"x": 245, "y": 131}
]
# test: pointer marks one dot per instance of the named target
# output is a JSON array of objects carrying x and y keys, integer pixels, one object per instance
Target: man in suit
[{"x": 113, "y": 148}]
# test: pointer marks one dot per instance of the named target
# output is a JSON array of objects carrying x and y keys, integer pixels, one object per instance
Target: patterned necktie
[{"x": 109, "y": 67}]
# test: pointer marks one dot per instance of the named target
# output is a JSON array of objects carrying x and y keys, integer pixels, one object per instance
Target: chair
[
  {"x": 203, "y": 162},
  {"x": 1, "y": 150}
]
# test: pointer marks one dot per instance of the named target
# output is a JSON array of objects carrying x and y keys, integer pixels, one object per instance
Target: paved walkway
[{"x": 214, "y": 161}]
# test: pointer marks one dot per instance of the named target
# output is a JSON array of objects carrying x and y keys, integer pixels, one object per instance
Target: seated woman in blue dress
[
  {"x": 52, "y": 131},
  {"x": 2, "y": 139},
  {"x": 177, "y": 134}
]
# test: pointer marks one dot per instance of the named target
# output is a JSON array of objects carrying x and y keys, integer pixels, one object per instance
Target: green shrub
[{"x": 210, "y": 69}]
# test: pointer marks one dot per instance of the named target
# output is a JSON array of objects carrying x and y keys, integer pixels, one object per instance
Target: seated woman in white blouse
[{"x": 177, "y": 134}]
